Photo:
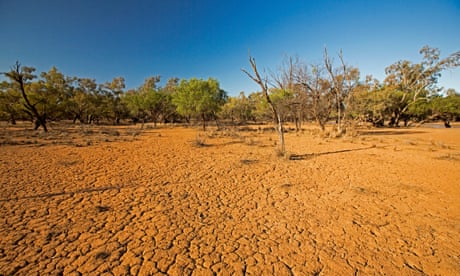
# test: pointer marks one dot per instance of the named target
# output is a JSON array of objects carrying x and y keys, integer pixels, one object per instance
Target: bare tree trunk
[
  {"x": 281, "y": 134},
  {"x": 12, "y": 119},
  {"x": 263, "y": 85},
  {"x": 321, "y": 124},
  {"x": 203, "y": 116},
  {"x": 18, "y": 76}
]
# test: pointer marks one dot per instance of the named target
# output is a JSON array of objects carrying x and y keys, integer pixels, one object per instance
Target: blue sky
[{"x": 205, "y": 38}]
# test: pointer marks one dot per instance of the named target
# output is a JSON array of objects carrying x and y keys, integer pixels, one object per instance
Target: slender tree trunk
[
  {"x": 339, "y": 116},
  {"x": 281, "y": 134},
  {"x": 217, "y": 122},
  {"x": 321, "y": 124},
  {"x": 297, "y": 123},
  {"x": 276, "y": 115},
  {"x": 12, "y": 119},
  {"x": 203, "y": 116}
]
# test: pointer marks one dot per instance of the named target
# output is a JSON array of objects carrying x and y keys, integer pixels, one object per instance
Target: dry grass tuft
[{"x": 200, "y": 141}]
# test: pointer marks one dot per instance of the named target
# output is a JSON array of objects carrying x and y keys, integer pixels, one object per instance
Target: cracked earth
[{"x": 386, "y": 202}]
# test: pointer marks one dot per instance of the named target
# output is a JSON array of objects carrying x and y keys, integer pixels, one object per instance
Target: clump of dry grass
[
  {"x": 134, "y": 132},
  {"x": 438, "y": 145},
  {"x": 251, "y": 141},
  {"x": 110, "y": 132},
  {"x": 449, "y": 157},
  {"x": 200, "y": 141},
  {"x": 279, "y": 153}
]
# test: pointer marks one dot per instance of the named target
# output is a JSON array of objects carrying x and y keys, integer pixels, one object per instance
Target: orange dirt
[{"x": 120, "y": 201}]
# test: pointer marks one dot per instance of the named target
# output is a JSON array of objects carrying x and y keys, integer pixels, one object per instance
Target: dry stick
[{"x": 264, "y": 86}]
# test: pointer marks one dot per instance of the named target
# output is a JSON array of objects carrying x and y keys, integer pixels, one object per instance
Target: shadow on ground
[{"x": 312, "y": 155}]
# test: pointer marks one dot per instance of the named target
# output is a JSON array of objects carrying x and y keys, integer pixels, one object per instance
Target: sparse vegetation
[{"x": 301, "y": 93}]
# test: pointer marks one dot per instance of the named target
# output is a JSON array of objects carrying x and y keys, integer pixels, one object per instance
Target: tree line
[{"x": 297, "y": 92}]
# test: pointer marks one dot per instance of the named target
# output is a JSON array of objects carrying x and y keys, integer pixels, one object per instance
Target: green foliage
[
  {"x": 114, "y": 107},
  {"x": 238, "y": 108},
  {"x": 10, "y": 103},
  {"x": 150, "y": 101},
  {"x": 261, "y": 108},
  {"x": 412, "y": 82},
  {"x": 199, "y": 98},
  {"x": 448, "y": 106},
  {"x": 135, "y": 104},
  {"x": 300, "y": 92}
]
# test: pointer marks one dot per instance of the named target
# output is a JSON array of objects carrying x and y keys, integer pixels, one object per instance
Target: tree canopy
[
  {"x": 199, "y": 98},
  {"x": 298, "y": 92}
]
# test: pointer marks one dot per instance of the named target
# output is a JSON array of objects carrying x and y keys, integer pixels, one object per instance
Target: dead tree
[
  {"x": 317, "y": 93},
  {"x": 343, "y": 80},
  {"x": 264, "y": 86},
  {"x": 286, "y": 80}
]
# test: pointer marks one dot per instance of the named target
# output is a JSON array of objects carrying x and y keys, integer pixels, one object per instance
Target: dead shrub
[
  {"x": 110, "y": 132},
  {"x": 200, "y": 141}
]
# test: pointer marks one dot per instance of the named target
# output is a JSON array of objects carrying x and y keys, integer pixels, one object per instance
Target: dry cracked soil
[{"x": 178, "y": 201}]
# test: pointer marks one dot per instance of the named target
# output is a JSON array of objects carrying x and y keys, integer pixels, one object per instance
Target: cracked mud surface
[{"x": 380, "y": 203}]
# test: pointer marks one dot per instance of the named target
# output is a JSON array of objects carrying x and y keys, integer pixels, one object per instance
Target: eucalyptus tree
[
  {"x": 446, "y": 107},
  {"x": 112, "y": 92},
  {"x": 87, "y": 101},
  {"x": 135, "y": 102},
  {"x": 410, "y": 82},
  {"x": 31, "y": 93},
  {"x": 59, "y": 91}
]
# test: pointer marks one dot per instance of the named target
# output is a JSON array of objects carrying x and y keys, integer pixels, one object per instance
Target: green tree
[
  {"x": 157, "y": 101},
  {"x": 199, "y": 98},
  {"x": 10, "y": 102},
  {"x": 30, "y": 92},
  {"x": 411, "y": 82},
  {"x": 238, "y": 108},
  {"x": 283, "y": 99},
  {"x": 369, "y": 102},
  {"x": 135, "y": 103},
  {"x": 169, "y": 110},
  {"x": 87, "y": 101},
  {"x": 151, "y": 101},
  {"x": 58, "y": 90},
  {"x": 446, "y": 108},
  {"x": 261, "y": 110},
  {"x": 112, "y": 92}
]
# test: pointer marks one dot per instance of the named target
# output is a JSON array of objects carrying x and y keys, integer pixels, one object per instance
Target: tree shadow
[
  {"x": 389, "y": 132},
  {"x": 71, "y": 193},
  {"x": 312, "y": 155}
]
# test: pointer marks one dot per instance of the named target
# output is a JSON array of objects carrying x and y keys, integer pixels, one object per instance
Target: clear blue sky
[{"x": 211, "y": 38}]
